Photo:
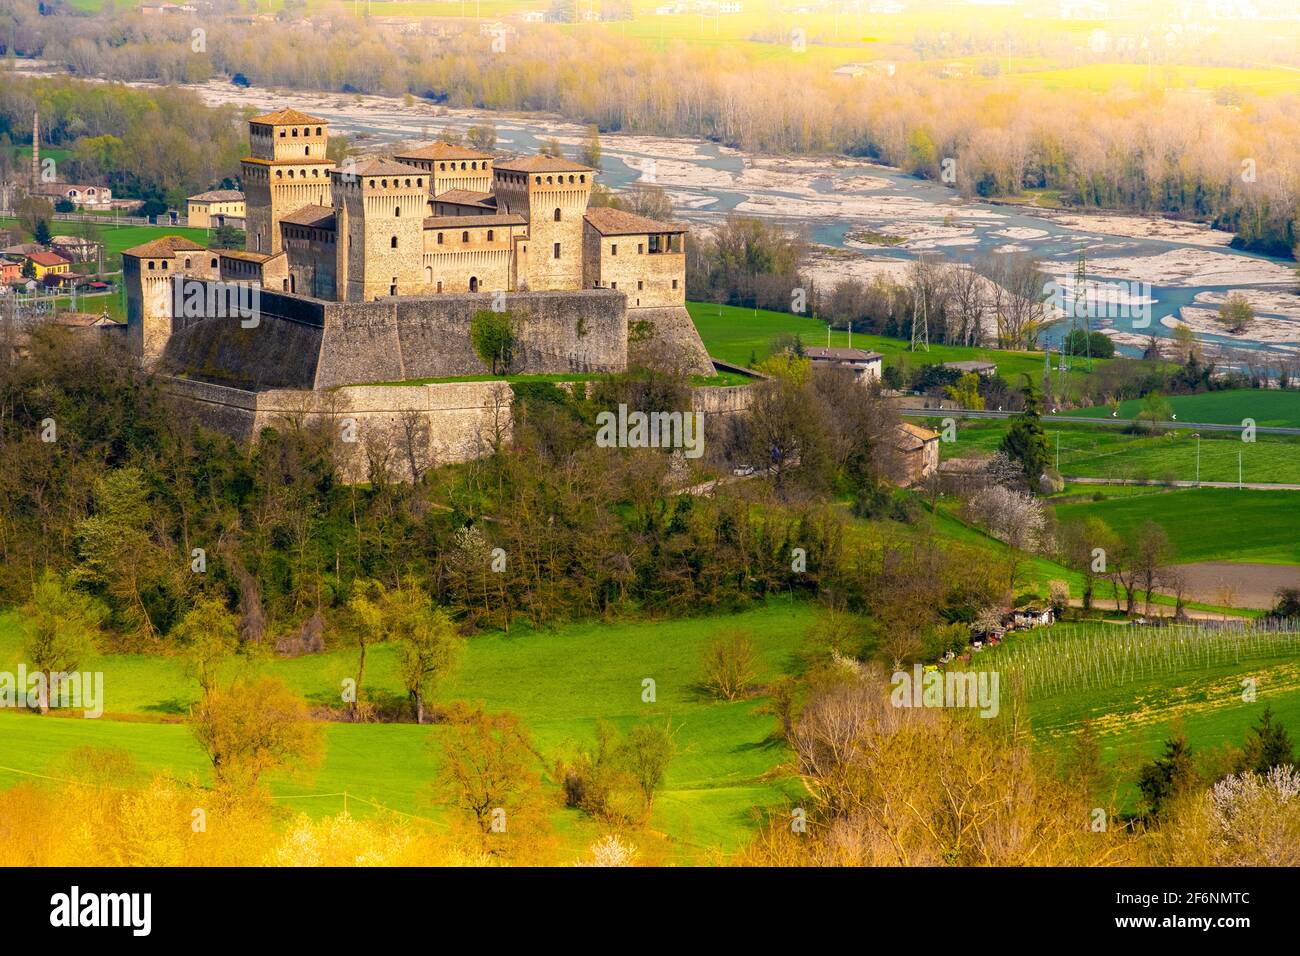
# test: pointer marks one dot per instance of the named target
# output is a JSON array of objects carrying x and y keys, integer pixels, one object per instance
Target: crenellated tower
[
  {"x": 552, "y": 194},
  {"x": 379, "y": 208},
  {"x": 285, "y": 170}
]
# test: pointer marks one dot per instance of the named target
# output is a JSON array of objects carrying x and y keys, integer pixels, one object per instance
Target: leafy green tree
[
  {"x": 1025, "y": 441},
  {"x": 59, "y": 629},
  {"x": 208, "y": 635},
  {"x": 645, "y": 754},
  {"x": 428, "y": 644},
  {"x": 1267, "y": 746},
  {"x": 493, "y": 337},
  {"x": 1168, "y": 776},
  {"x": 1236, "y": 313}
]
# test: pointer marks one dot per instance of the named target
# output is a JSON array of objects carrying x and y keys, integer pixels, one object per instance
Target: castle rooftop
[
  {"x": 317, "y": 217},
  {"x": 467, "y": 197},
  {"x": 541, "y": 164},
  {"x": 441, "y": 150},
  {"x": 286, "y": 117},
  {"x": 165, "y": 247},
  {"x": 379, "y": 166},
  {"x": 615, "y": 222}
]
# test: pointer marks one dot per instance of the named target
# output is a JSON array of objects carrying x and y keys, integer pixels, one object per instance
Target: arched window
[
  {"x": 582, "y": 178},
  {"x": 550, "y": 180},
  {"x": 384, "y": 183},
  {"x": 397, "y": 212},
  {"x": 473, "y": 283},
  {"x": 150, "y": 265},
  {"x": 419, "y": 182},
  {"x": 539, "y": 180},
  {"x": 443, "y": 167},
  {"x": 557, "y": 215},
  {"x": 317, "y": 130},
  {"x": 213, "y": 264},
  {"x": 279, "y": 174},
  {"x": 393, "y": 242},
  {"x": 570, "y": 179},
  {"x": 428, "y": 275},
  {"x": 489, "y": 238},
  {"x": 464, "y": 236},
  {"x": 187, "y": 263},
  {"x": 295, "y": 133}
]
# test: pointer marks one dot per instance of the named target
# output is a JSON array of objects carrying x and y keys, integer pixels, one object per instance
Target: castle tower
[
  {"x": 36, "y": 150},
  {"x": 149, "y": 273},
  {"x": 451, "y": 167},
  {"x": 285, "y": 170},
  {"x": 552, "y": 195},
  {"x": 379, "y": 209}
]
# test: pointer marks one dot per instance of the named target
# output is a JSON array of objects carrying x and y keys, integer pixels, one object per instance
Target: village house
[
  {"x": 1030, "y": 617},
  {"x": 215, "y": 208},
  {"x": 48, "y": 264},
  {"x": 864, "y": 365},
  {"x": 983, "y": 369},
  {"x": 918, "y": 453}
]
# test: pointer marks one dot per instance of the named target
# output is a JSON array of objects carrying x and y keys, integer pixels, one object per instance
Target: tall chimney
[{"x": 36, "y": 150}]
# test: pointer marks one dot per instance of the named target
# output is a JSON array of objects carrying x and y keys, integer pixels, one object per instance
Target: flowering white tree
[
  {"x": 1014, "y": 517},
  {"x": 1257, "y": 818}
]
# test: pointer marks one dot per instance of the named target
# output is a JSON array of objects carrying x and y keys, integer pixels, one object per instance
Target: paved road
[
  {"x": 914, "y": 410},
  {"x": 1251, "y": 485}
]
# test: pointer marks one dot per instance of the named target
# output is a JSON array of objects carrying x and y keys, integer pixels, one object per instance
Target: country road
[{"x": 913, "y": 411}]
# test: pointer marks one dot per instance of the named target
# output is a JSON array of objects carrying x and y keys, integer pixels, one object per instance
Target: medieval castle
[{"x": 370, "y": 274}]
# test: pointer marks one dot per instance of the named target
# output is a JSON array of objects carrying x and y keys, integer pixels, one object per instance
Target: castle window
[
  {"x": 582, "y": 178},
  {"x": 393, "y": 242},
  {"x": 674, "y": 283},
  {"x": 439, "y": 238},
  {"x": 164, "y": 265},
  {"x": 306, "y": 150},
  {"x": 571, "y": 180},
  {"x": 317, "y": 130},
  {"x": 282, "y": 134},
  {"x": 295, "y": 134},
  {"x": 279, "y": 174},
  {"x": 151, "y": 264},
  {"x": 464, "y": 236},
  {"x": 392, "y": 289},
  {"x": 557, "y": 250},
  {"x": 419, "y": 182},
  {"x": 613, "y": 248},
  {"x": 557, "y": 215},
  {"x": 489, "y": 235},
  {"x": 613, "y": 285},
  {"x": 640, "y": 248},
  {"x": 187, "y": 263},
  {"x": 372, "y": 184},
  {"x": 408, "y": 182},
  {"x": 212, "y": 264},
  {"x": 397, "y": 212},
  {"x": 473, "y": 283},
  {"x": 550, "y": 180},
  {"x": 443, "y": 167},
  {"x": 639, "y": 285},
  {"x": 384, "y": 183}
]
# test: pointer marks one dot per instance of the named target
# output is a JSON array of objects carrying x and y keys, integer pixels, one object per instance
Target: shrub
[{"x": 730, "y": 666}]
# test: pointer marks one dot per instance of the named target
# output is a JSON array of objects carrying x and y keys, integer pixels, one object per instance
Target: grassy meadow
[
  {"x": 1109, "y": 452},
  {"x": 560, "y": 682}
]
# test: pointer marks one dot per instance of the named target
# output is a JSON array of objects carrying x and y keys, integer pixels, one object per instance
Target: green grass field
[
  {"x": 1108, "y": 452},
  {"x": 734, "y": 335},
  {"x": 559, "y": 681},
  {"x": 1269, "y": 407},
  {"x": 1207, "y": 524}
]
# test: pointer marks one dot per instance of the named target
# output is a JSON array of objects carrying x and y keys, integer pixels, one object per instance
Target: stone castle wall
[{"x": 307, "y": 343}]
